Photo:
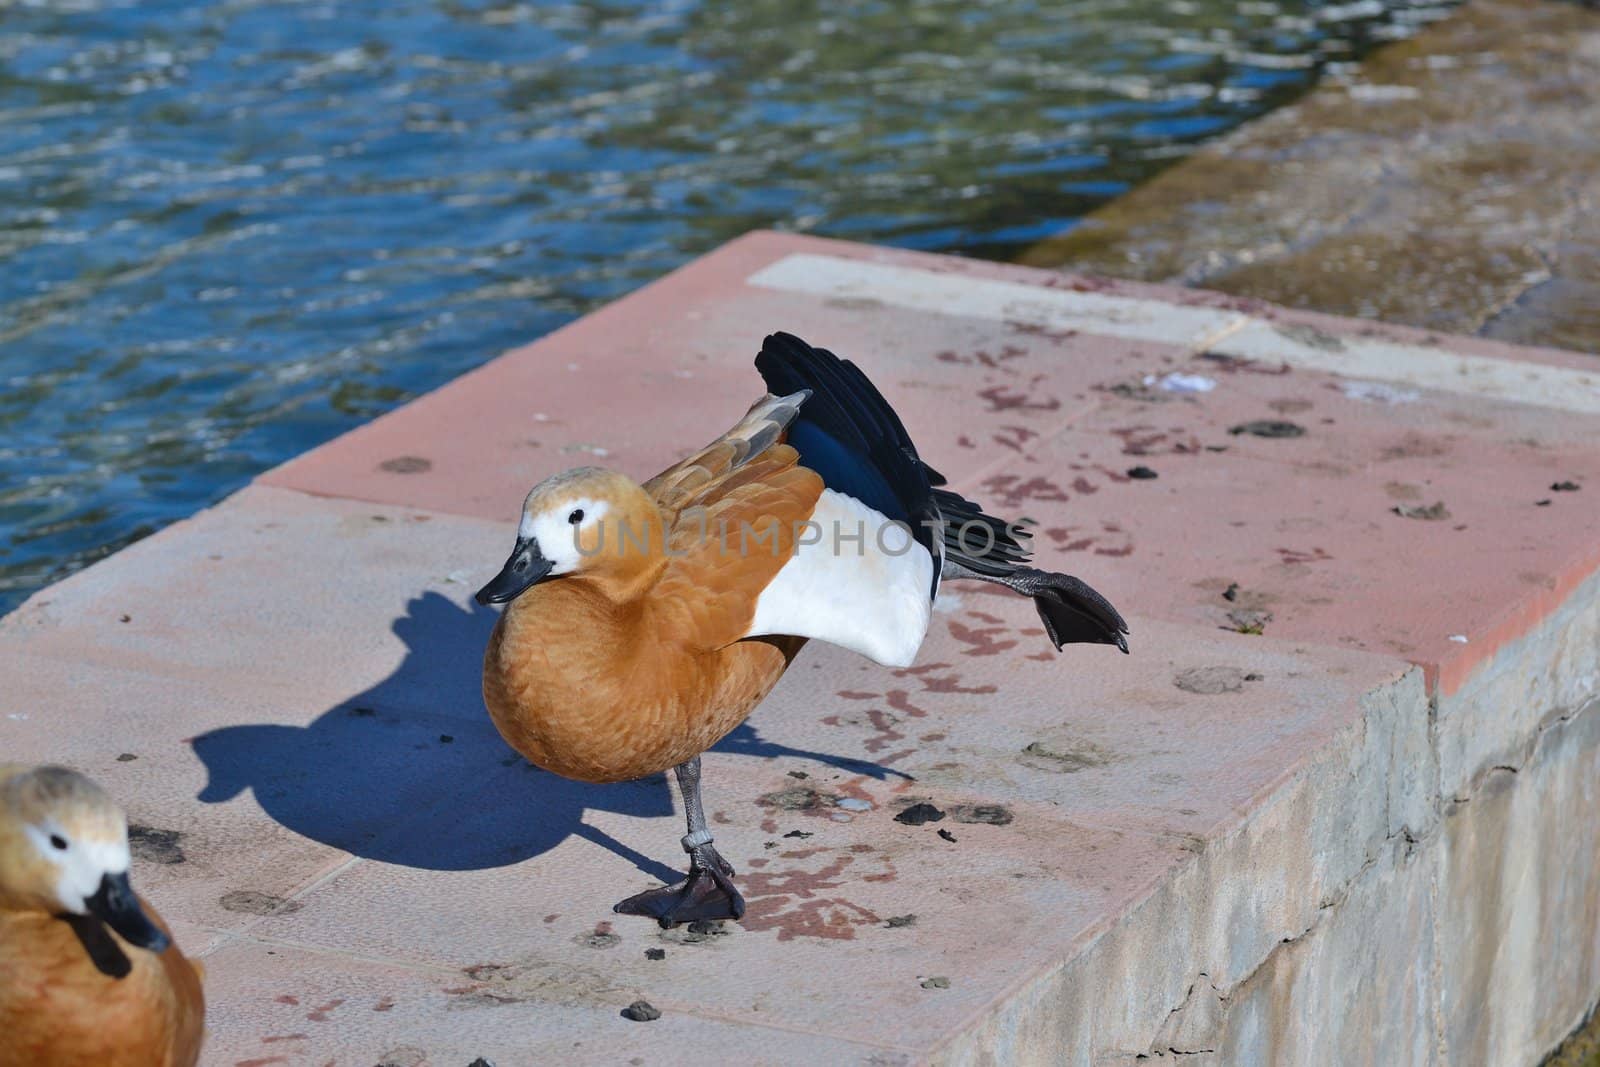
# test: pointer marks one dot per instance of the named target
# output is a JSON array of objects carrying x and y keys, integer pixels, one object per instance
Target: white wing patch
[{"x": 858, "y": 581}]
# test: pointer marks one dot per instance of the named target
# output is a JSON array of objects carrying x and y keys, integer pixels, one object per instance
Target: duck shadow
[{"x": 412, "y": 772}]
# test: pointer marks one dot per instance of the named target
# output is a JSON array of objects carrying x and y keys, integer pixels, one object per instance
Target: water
[{"x": 231, "y": 231}]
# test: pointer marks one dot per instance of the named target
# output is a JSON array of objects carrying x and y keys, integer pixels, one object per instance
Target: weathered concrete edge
[
  {"x": 1222, "y": 916},
  {"x": 1371, "y": 836},
  {"x": 1496, "y": 716}
]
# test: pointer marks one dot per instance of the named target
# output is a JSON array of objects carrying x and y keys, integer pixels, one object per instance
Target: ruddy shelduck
[
  {"x": 644, "y": 622},
  {"x": 89, "y": 974}
]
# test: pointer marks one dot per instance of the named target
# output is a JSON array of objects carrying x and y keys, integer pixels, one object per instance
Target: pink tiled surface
[
  {"x": 1041, "y": 422},
  {"x": 372, "y": 876}
]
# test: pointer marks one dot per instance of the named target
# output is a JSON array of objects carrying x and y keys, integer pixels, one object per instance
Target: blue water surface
[{"x": 231, "y": 231}]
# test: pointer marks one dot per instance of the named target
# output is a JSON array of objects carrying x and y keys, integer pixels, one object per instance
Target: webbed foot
[{"x": 707, "y": 893}]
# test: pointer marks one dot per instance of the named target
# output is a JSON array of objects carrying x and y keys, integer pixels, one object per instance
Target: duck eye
[
  {"x": 576, "y": 516},
  {"x": 58, "y": 842}
]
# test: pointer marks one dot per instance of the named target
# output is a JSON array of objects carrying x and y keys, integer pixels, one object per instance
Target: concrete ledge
[{"x": 1305, "y": 822}]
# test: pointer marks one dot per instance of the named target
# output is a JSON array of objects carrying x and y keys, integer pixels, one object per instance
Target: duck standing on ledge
[
  {"x": 88, "y": 973},
  {"x": 644, "y": 622}
]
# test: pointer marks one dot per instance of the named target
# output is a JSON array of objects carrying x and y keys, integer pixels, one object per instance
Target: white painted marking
[
  {"x": 1418, "y": 366},
  {"x": 856, "y": 581},
  {"x": 1034, "y": 305},
  {"x": 1198, "y": 329}
]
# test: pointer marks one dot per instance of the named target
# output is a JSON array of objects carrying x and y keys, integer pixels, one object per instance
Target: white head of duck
[
  {"x": 64, "y": 850},
  {"x": 590, "y": 522}
]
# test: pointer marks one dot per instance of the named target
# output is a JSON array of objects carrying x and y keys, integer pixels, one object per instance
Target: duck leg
[{"x": 708, "y": 892}]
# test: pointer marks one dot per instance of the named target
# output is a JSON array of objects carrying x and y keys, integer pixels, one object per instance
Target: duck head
[
  {"x": 64, "y": 850},
  {"x": 588, "y": 522}
]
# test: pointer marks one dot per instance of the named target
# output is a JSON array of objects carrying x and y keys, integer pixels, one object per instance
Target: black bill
[
  {"x": 525, "y": 567},
  {"x": 115, "y": 904}
]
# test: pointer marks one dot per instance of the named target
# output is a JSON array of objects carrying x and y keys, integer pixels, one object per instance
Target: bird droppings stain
[
  {"x": 938, "y": 981},
  {"x": 641, "y": 1011},
  {"x": 919, "y": 813},
  {"x": 1269, "y": 428},
  {"x": 1416, "y": 446},
  {"x": 655, "y": 953},
  {"x": 1300, "y": 556},
  {"x": 601, "y": 937},
  {"x": 155, "y": 846},
  {"x": 800, "y": 798},
  {"x": 988, "y": 814},
  {"x": 1310, "y": 336},
  {"x": 1248, "y": 621},
  {"x": 1209, "y": 681},
  {"x": 403, "y": 1056},
  {"x": 406, "y": 465},
  {"x": 1065, "y": 758},
  {"x": 699, "y": 932},
  {"x": 853, "y": 804},
  {"x": 1431, "y": 512},
  {"x": 250, "y": 902}
]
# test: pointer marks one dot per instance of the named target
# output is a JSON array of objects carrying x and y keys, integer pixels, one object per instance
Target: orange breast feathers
[
  {"x": 73, "y": 995},
  {"x": 603, "y": 677}
]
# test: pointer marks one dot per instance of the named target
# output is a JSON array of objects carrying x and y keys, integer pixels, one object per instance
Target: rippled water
[{"x": 230, "y": 231}]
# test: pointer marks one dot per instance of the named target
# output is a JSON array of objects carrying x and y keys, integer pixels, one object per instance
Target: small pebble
[
  {"x": 445, "y": 739},
  {"x": 802, "y": 834},
  {"x": 853, "y": 804},
  {"x": 641, "y": 1011},
  {"x": 919, "y": 813},
  {"x": 1268, "y": 428},
  {"x": 898, "y": 921},
  {"x": 798, "y": 774},
  {"x": 1231, "y": 593},
  {"x": 1142, "y": 474},
  {"x": 938, "y": 981},
  {"x": 126, "y": 757},
  {"x": 655, "y": 953},
  {"x": 1542, "y": 503},
  {"x": 129, "y": 618},
  {"x": 948, "y": 836},
  {"x": 481, "y": 1062},
  {"x": 1254, "y": 677},
  {"x": 1558, "y": 487}
]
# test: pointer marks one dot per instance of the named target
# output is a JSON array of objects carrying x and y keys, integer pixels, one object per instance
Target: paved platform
[{"x": 1335, "y": 808}]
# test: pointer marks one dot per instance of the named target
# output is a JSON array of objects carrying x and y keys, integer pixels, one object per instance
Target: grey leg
[
  {"x": 708, "y": 892},
  {"x": 697, "y": 842}
]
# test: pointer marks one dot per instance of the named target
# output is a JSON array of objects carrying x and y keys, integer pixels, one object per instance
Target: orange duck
[
  {"x": 89, "y": 976},
  {"x": 644, "y": 622}
]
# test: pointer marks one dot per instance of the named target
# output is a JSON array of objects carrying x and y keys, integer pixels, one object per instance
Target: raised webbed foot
[
  {"x": 1070, "y": 610},
  {"x": 707, "y": 893}
]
